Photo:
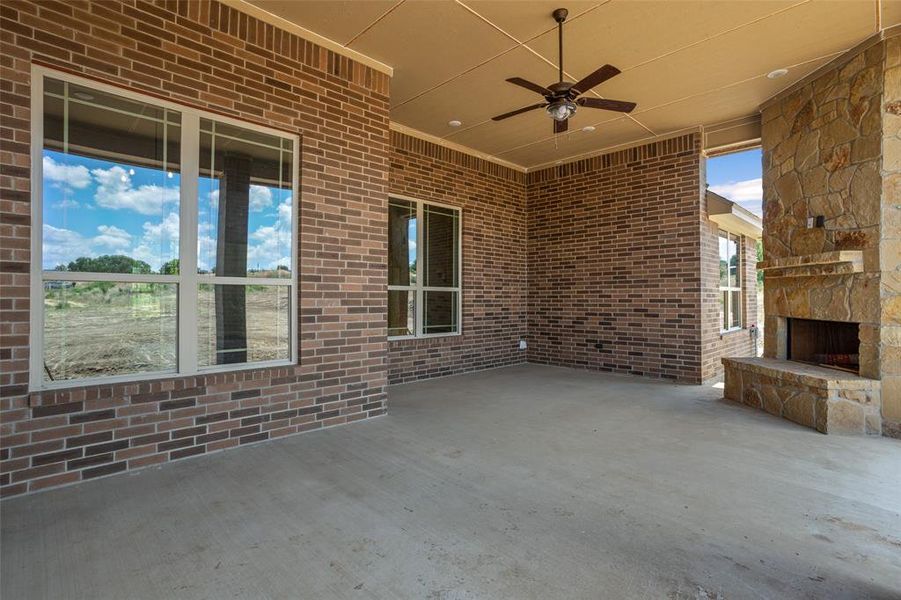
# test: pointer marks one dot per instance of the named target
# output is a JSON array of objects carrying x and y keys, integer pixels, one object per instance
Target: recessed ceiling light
[
  {"x": 588, "y": 128},
  {"x": 777, "y": 73},
  {"x": 83, "y": 96},
  {"x": 455, "y": 123}
]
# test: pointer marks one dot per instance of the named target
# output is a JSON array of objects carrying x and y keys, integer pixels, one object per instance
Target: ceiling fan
[{"x": 562, "y": 98}]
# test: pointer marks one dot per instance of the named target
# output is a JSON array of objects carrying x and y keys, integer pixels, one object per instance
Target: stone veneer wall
[
  {"x": 831, "y": 148},
  {"x": 614, "y": 262},
  {"x": 494, "y": 258},
  {"x": 890, "y": 241},
  {"x": 207, "y": 55}
]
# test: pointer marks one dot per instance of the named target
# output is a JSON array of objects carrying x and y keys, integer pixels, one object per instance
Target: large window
[
  {"x": 164, "y": 238},
  {"x": 424, "y": 295},
  {"x": 730, "y": 281}
]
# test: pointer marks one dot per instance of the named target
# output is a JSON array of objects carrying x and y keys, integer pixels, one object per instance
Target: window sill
[
  {"x": 425, "y": 336},
  {"x": 67, "y": 384},
  {"x": 724, "y": 332}
]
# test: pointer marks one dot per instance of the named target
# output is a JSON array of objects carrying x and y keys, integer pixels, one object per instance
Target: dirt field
[{"x": 96, "y": 330}]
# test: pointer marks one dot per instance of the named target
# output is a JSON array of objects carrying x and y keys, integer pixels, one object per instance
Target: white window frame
[
  {"x": 418, "y": 287},
  {"x": 188, "y": 281},
  {"x": 727, "y": 302}
]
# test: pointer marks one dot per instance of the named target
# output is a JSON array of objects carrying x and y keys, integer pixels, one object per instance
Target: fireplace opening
[{"x": 832, "y": 344}]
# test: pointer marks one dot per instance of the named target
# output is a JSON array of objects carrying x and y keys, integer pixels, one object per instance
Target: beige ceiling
[{"x": 686, "y": 63}]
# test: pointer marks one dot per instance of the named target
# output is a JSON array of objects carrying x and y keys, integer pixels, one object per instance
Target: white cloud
[
  {"x": 747, "y": 193},
  {"x": 115, "y": 191},
  {"x": 66, "y": 176},
  {"x": 260, "y": 198},
  {"x": 112, "y": 238},
  {"x": 740, "y": 191},
  {"x": 66, "y": 203},
  {"x": 159, "y": 242},
  {"x": 60, "y": 246},
  {"x": 268, "y": 244}
]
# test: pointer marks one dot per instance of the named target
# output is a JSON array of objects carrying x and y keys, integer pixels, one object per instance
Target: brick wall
[
  {"x": 717, "y": 345},
  {"x": 494, "y": 258},
  {"x": 614, "y": 260},
  {"x": 212, "y": 57}
]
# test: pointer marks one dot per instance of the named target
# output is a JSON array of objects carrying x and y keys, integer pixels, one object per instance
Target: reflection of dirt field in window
[
  {"x": 131, "y": 328},
  {"x": 268, "y": 324},
  {"x": 99, "y": 329}
]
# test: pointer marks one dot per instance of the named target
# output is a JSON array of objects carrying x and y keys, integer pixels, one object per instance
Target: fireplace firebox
[{"x": 833, "y": 344}]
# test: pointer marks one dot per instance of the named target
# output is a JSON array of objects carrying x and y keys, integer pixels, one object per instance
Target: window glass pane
[
  {"x": 440, "y": 314},
  {"x": 724, "y": 259},
  {"x": 735, "y": 309},
  {"x": 724, "y": 314},
  {"x": 401, "y": 242},
  {"x": 100, "y": 328},
  {"x": 401, "y": 312},
  {"x": 735, "y": 260},
  {"x": 440, "y": 252},
  {"x": 243, "y": 323},
  {"x": 732, "y": 250},
  {"x": 244, "y": 202},
  {"x": 110, "y": 182}
]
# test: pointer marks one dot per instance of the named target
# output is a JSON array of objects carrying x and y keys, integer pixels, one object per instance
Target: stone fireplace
[{"x": 832, "y": 249}]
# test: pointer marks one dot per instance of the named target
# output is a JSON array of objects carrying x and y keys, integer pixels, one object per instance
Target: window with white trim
[
  {"x": 730, "y": 281},
  {"x": 424, "y": 255},
  {"x": 164, "y": 238}
]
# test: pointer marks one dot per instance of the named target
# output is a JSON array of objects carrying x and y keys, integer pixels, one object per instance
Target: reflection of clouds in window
[
  {"x": 159, "y": 242},
  {"x": 115, "y": 191},
  {"x": 260, "y": 198},
  {"x": 61, "y": 245},
  {"x": 112, "y": 237},
  {"x": 65, "y": 176},
  {"x": 269, "y": 245}
]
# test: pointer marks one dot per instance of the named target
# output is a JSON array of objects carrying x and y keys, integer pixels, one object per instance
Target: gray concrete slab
[{"x": 523, "y": 482}]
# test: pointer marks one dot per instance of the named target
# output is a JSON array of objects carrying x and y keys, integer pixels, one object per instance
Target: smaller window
[
  {"x": 424, "y": 290},
  {"x": 730, "y": 281}
]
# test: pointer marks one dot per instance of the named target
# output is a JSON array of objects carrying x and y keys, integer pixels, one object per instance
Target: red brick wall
[
  {"x": 614, "y": 259},
  {"x": 209, "y": 56},
  {"x": 494, "y": 258}
]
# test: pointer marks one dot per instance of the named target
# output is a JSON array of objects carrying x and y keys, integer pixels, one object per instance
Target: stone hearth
[{"x": 827, "y": 400}]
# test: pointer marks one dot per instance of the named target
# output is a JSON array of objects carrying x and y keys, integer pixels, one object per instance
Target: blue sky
[
  {"x": 93, "y": 207},
  {"x": 737, "y": 177}
]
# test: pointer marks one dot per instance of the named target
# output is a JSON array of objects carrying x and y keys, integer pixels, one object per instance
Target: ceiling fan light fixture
[{"x": 561, "y": 110}]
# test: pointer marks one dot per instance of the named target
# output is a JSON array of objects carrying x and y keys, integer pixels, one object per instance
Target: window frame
[
  {"x": 188, "y": 281},
  {"x": 419, "y": 288},
  {"x": 726, "y": 291}
]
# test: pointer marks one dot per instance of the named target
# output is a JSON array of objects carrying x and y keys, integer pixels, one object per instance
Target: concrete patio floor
[{"x": 522, "y": 482}]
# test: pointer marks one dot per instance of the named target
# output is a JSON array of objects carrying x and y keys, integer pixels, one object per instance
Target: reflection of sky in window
[{"x": 94, "y": 207}]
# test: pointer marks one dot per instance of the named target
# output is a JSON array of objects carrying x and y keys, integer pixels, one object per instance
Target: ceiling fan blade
[
  {"x": 530, "y": 86},
  {"x": 513, "y": 113},
  {"x": 596, "y": 78},
  {"x": 617, "y": 105},
  {"x": 561, "y": 126}
]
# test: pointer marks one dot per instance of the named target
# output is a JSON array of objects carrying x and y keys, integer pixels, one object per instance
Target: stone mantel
[{"x": 837, "y": 262}]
